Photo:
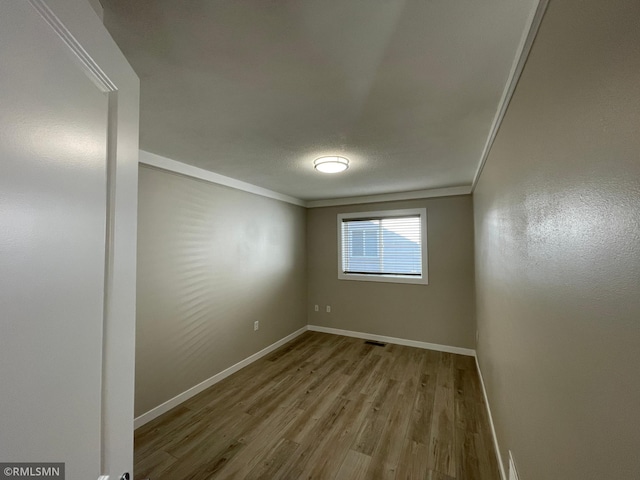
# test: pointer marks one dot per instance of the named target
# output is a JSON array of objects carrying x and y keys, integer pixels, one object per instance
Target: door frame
[{"x": 82, "y": 30}]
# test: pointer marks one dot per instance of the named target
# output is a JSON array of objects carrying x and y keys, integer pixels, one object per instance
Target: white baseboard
[
  {"x": 398, "y": 341},
  {"x": 178, "y": 399},
  {"x": 513, "y": 471},
  {"x": 503, "y": 474}
]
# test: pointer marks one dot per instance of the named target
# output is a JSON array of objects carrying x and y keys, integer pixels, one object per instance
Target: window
[{"x": 387, "y": 246}]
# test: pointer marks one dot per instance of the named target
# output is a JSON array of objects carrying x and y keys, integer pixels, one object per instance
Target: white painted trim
[
  {"x": 522, "y": 53},
  {"x": 153, "y": 160},
  {"x": 391, "y": 197},
  {"x": 89, "y": 65},
  {"x": 178, "y": 399},
  {"x": 103, "y": 477},
  {"x": 398, "y": 341},
  {"x": 184, "y": 396},
  {"x": 164, "y": 163},
  {"x": 493, "y": 428},
  {"x": 513, "y": 471}
]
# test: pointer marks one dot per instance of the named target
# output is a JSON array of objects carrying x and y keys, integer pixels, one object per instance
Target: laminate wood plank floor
[{"x": 329, "y": 407}]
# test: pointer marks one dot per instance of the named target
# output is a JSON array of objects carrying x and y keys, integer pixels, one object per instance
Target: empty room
[{"x": 309, "y": 239}]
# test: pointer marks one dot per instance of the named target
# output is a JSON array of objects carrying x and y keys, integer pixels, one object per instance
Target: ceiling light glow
[{"x": 331, "y": 164}]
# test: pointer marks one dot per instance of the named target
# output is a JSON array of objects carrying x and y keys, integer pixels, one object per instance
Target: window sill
[{"x": 384, "y": 278}]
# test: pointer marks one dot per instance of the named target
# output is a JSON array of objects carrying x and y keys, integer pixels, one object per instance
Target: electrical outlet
[
  {"x": 256, "y": 325},
  {"x": 328, "y": 308},
  {"x": 317, "y": 308}
]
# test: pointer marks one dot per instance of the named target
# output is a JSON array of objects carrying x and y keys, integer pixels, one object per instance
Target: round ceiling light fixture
[{"x": 331, "y": 164}]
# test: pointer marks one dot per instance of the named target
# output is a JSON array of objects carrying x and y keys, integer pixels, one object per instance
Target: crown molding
[
  {"x": 522, "y": 53},
  {"x": 164, "y": 163},
  {"x": 391, "y": 197}
]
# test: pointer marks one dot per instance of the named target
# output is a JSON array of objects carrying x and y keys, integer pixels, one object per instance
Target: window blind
[{"x": 382, "y": 246}]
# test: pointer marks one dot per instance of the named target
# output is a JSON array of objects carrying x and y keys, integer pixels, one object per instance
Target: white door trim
[{"x": 82, "y": 30}]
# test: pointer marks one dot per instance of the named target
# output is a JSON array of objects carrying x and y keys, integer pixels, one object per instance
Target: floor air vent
[{"x": 375, "y": 344}]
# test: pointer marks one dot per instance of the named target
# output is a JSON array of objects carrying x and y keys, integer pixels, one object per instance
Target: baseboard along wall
[
  {"x": 398, "y": 341},
  {"x": 178, "y": 399},
  {"x": 503, "y": 474},
  {"x": 193, "y": 391}
]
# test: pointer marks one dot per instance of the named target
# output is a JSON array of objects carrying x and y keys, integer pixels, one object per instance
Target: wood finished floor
[{"x": 329, "y": 407}]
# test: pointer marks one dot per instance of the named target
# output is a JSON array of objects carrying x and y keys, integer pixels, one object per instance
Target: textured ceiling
[{"x": 257, "y": 89}]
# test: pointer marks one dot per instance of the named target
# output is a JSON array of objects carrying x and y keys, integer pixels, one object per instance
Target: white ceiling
[{"x": 257, "y": 89}]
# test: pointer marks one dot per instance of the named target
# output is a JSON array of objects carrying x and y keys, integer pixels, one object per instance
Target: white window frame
[{"x": 421, "y": 280}]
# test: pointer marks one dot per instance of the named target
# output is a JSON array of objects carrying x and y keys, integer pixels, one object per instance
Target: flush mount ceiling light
[{"x": 331, "y": 164}]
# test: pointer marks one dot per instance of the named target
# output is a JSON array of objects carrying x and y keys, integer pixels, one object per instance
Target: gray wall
[
  {"x": 557, "y": 218},
  {"x": 211, "y": 260},
  {"x": 442, "y": 312}
]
